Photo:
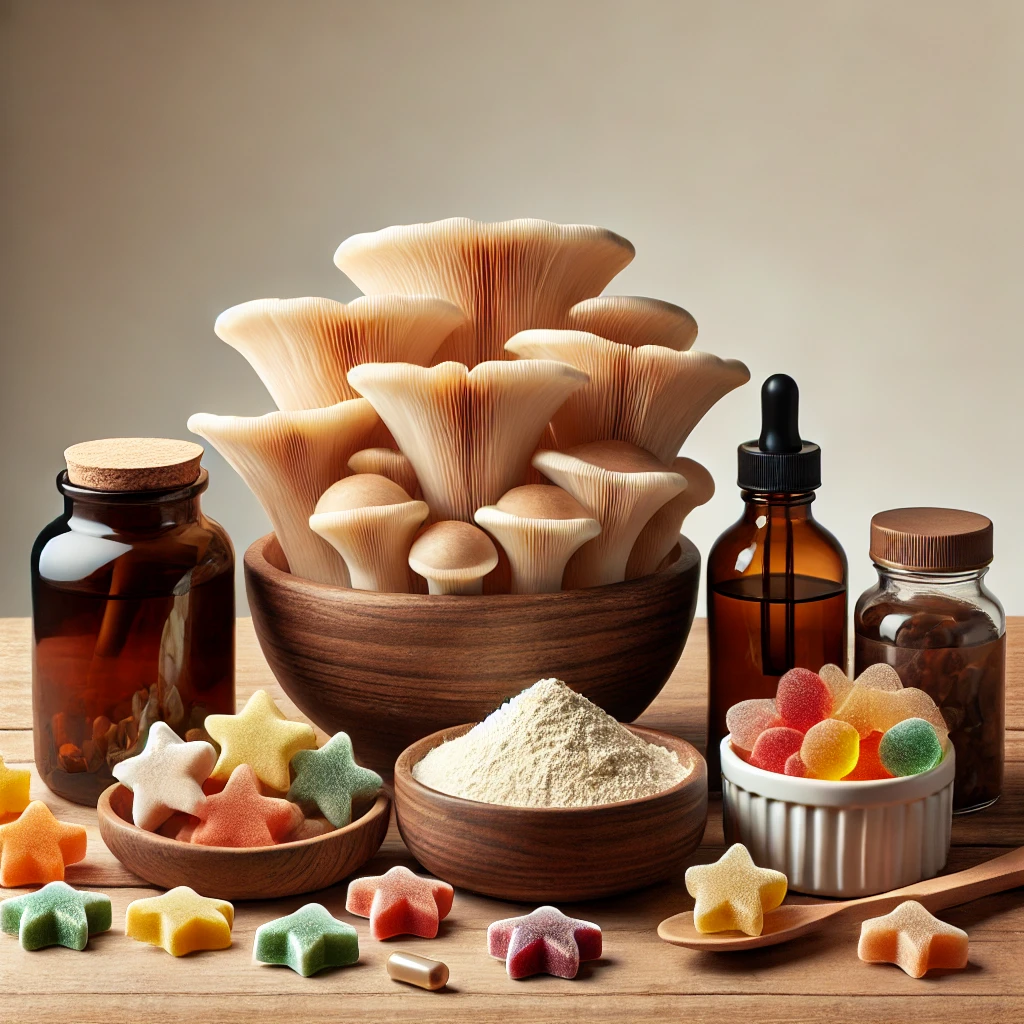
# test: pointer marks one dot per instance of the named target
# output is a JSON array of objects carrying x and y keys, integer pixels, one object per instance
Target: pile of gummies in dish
[{"x": 822, "y": 725}]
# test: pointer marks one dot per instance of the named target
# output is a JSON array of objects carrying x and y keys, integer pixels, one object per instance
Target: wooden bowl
[
  {"x": 256, "y": 873},
  {"x": 552, "y": 853},
  {"x": 390, "y": 668}
]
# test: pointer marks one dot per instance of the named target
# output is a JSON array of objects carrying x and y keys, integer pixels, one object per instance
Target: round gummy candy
[
  {"x": 910, "y": 747},
  {"x": 795, "y": 767},
  {"x": 803, "y": 699},
  {"x": 748, "y": 719},
  {"x": 774, "y": 747},
  {"x": 830, "y": 749},
  {"x": 868, "y": 764}
]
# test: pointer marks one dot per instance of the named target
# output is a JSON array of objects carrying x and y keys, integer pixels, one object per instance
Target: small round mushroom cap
[
  {"x": 540, "y": 527},
  {"x": 387, "y": 462},
  {"x": 361, "y": 491},
  {"x": 453, "y": 557}
]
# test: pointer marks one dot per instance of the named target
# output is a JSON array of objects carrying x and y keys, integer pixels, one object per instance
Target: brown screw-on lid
[
  {"x": 133, "y": 463},
  {"x": 931, "y": 539}
]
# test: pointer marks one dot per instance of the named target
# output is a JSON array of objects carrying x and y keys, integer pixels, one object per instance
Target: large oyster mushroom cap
[
  {"x": 651, "y": 397},
  {"x": 661, "y": 534},
  {"x": 387, "y": 462},
  {"x": 469, "y": 434},
  {"x": 634, "y": 320},
  {"x": 621, "y": 486},
  {"x": 453, "y": 557},
  {"x": 288, "y": 459},
  {"x": 540, "y": 527},
  {"x": 303, "y": 348},
  {"x": 371, "y": 522},
  {"x": 506, "y": 276}
]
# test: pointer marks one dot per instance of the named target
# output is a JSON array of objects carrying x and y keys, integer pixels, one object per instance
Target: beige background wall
[{"x": 834, "y": 189}]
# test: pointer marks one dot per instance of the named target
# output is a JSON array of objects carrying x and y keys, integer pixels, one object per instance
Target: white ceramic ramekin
[{"x": 840, "y": 838}]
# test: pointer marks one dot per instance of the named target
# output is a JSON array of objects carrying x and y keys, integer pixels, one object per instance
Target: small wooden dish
[
  {"x": 389, "y": 669},
  {"x": 552, "y": 853},
  {"x": 264, "y": 872}
]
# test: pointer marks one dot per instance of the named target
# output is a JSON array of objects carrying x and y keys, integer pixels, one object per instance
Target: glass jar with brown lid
[
  {"x": 132, "y": 610},
  {"x": 933, "y": 619}
]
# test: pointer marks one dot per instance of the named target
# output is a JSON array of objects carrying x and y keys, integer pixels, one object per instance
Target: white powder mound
[{"x": 549, "y": 747}]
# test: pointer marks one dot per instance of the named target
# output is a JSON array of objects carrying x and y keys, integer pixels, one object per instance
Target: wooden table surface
[{"x": 816, "y": 978}]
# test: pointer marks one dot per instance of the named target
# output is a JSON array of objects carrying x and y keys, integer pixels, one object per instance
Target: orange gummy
[
  {"x": 241, "y": 815},
  {"x": 36, "y": 847},
  {"x": 869, "y": 766},
  {"x": 400, "y": 903},
  {"x": 914, "y": 940}
]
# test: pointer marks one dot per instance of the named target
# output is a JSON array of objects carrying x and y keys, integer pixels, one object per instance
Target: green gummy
[
  {"x": 328, "y": 780},
  {"x": 307, "y": 941},
  {"x": 56, "y": 915},
  {"x": 910, "y": 747}
]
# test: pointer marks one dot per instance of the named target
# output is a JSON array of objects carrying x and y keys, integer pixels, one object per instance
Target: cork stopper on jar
[
  {"x": 133, "y": 463},
  {"x": 931, "y": 539}
]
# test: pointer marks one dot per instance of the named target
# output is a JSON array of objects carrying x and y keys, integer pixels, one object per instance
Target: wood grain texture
[
  {"x": 265, "y": 872},
  {"x": 552, "y": 854},
  {"x": 640, "y": 978},
  {"x": 392, "y": 668}
]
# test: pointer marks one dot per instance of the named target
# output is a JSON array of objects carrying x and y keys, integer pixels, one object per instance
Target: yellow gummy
[
  {"x": 181, "y": 921},
  {"x": 14, "y": 785},
  {"x": 260, "y": 736},
  {"x": 733, "y": 894},
  {"x": 830, "y": 749},
  {"x": 867, "y": 709}
]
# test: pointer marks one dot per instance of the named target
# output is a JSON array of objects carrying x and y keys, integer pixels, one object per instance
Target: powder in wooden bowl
[{"x": 549, "y": 747}]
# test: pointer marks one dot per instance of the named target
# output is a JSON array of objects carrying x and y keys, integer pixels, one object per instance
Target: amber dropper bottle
[{"x": 776, "y": 578}]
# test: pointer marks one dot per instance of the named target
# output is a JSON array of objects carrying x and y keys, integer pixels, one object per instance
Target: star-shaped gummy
[
  {"x": 544, "y": 942},
  {"x": 400, "y": 903},
  {"x": 167, "y": 776},
  {"x": 307, "y": 941},
  {"x": 328, "y": 780},
  {"x": 240, "y": 815},
  {"x": 181, "y": 921},
  {"x": 55, "y": 915},
  {"x": 14, "y": 783},
  {"x": 36, "y": 847},
  {"x": 733, "y": 894},
  {"x": 259, "y": 735},
  {"x": 913, "y": 939}
]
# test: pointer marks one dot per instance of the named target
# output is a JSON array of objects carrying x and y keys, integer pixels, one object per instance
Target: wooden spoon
[{"x": 793, "y": 920}]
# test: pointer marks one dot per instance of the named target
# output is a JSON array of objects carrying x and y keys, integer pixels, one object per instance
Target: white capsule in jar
[{"x": 417, "y": 970}]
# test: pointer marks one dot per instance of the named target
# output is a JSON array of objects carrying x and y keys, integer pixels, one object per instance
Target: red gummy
[
  {"x": 803, "y": 699},
  {"x": 400, "y": 903},
  {"x": 544, "y": 942},
  {"x": 795, "y": 766},
  {"x": 242, "y": 816},
  {"x": 869, "y": 765},
  {"x": 774, "y": 747}
]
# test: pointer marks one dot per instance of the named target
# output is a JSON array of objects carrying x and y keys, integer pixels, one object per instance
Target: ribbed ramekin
[{"x": 840, "y": 838}]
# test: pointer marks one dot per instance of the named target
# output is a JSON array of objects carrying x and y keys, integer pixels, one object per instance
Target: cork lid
[
  {"x": 935, "y": 539},
  {"x": 133, "y": 463}
]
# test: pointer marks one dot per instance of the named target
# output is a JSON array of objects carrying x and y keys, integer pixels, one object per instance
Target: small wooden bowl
[
  {"x": 390, "y": 668},
  {"x": 552, "y": 853},
  {"x": 257, "y": 873}
]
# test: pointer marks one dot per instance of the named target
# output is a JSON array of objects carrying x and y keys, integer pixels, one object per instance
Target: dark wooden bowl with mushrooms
[{"x": 389, "y": 669}]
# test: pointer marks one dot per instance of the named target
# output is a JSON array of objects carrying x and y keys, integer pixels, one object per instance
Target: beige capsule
[{"x": 417, "y": 970}]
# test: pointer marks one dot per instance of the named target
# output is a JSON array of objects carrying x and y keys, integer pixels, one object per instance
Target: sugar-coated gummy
[
  {"x": 829, "y": 749},
  {"x": 400, "y": 903},
  {"x": 14, "y": 787},
  {"x": 802, "y": 699},
  {"x": 55, "y": 915},
  {"x": 910, "y": 747},
  {"x": 180, "y": 921},
  {"x": 914, "y": 940},
  {"x": 544, "y": 942},
  {"x": 748, "y": 719},
  {"x": 869, "y": 766},
  {"x": 36, "y": 847},
  {"x": 307, "y": 941},
  {"x": 733, "y": 894},
  {"x": 838, "y": 682},
  {"x": 774, "y": 747},
  {"x": 242, "y": 816},
  {"x": 328, "y": 780},
  {"x": 794, "y": 766}
]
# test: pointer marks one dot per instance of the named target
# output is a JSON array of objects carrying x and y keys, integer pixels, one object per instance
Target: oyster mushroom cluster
[{"x": 482, "y": 419}]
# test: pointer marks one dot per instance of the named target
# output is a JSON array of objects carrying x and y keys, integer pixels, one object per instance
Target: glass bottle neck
[
  {"x": 134, "y": 512},
  {"x": 789, "y": 506}
]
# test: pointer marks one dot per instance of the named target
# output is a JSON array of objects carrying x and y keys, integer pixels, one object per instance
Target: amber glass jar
[
  {"x": 133, "y": 616},
  {"x": 933, "y": 619},
  {"x": 776, "y": 578}
]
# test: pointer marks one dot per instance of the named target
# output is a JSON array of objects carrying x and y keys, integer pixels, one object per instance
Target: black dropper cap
[{"x": 779, "y": 462}]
